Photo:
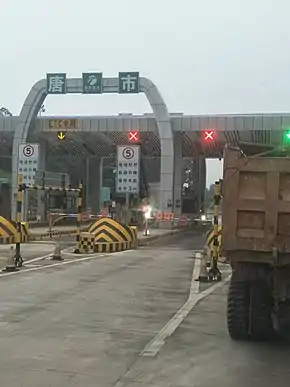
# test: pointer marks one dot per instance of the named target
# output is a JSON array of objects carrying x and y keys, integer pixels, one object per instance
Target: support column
[
  {"x": 201, "y": 180},
  {"x": 94, "y": 181},
  {"x": 178, "y": 177},
  {"x": 42, "y": 155},
  {"x": 41, "y": 195},
  {"x": 166, "y": 175},
  {"x": 101, "y": 164}
]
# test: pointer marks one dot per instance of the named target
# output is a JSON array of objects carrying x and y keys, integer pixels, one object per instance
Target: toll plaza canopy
[
  {"x": 195, "y": 138},
  {"x": 200, "y": 135}
]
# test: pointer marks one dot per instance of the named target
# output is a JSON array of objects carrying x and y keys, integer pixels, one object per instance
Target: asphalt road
[
  {"x": 34, "y": 250},
  {"x": 128, "y": 319}
]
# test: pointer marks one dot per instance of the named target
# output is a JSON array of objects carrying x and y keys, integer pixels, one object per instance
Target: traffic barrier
[
  {"x": 113, "y": 247},
  {"x": 34, "y": 237},
  {"x": 109, "y": 230},
  {"x": 8, "y": 231},
  {"x": 107, "y": 235},
  {"x": 8, "y": 228},
  {"x": 209, "y": 245},
  {"x": 88, "y": 244},
  {"x": 164, "y": 216},
  {"x": 53, "y": 189},
  {"x": 85, "y": 243},
  {"x": 210, "y": 239},
  {"x": 135, "y": 235},
  {"x": 7, "y": 240},
  {"x": 214, "y": 272}
]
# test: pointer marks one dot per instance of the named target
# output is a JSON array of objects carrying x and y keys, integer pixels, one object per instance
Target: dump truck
[{"x": 256, "y": 242}]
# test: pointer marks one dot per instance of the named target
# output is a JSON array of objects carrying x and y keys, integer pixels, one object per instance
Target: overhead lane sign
[{"x": 63, "y": 125}]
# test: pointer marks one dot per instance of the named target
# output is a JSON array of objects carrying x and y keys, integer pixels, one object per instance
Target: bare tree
[{"x": 5, "y": 112}]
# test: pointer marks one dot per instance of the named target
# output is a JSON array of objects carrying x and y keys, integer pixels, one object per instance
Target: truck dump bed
[{"x": 256, "y": 205}]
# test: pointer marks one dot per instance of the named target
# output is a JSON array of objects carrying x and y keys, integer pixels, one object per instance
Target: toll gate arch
[{"x": 37, "y": 96}]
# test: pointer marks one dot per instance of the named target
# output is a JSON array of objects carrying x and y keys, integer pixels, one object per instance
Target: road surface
[
  {"x": 111, "y": 322},
  {"x": 34, "y": 250}
]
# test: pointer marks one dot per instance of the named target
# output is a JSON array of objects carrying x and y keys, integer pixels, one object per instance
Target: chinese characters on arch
[
  {"x": 56, "y": 83},
  {"x": 92, "y": 83}
]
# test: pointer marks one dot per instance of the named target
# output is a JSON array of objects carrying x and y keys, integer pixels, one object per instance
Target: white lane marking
[
  {"x": 49, "y": 266},
  {"x": 45, "y": 256},
  {"x": 159, "y": 340},
  {"x": 86, "y": 258},
  {"x": 194, "y": 285}
]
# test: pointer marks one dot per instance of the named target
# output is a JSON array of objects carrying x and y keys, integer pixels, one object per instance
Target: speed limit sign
[
  {"x": 28, "y": 151},
  {"x": 128, "y": 153},
  {"x": 128, "y": 169}
]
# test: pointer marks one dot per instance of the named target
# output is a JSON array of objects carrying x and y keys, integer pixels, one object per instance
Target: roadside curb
[{"x": 145, "y": 241}]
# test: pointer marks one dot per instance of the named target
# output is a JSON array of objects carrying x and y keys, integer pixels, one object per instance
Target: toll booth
[
  {"x": 5, "y": 198},
  {"x": 51, "y": 193}
]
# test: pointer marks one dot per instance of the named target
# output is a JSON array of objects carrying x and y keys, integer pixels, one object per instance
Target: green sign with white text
[{"x": 92, "y": 83}]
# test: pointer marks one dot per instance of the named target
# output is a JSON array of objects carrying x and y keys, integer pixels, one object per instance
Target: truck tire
[
  {"x": 261, "y": 326},
  {"x": 238, "y": 310}
]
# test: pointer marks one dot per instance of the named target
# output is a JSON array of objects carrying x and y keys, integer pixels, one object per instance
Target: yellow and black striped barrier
[
  {"x": 107, "y": 235},
  {"x": 48, "y": 234},
  {"x": 210, "y": 239},
  {"x": 109, "y": 230},
  {"x": 214, "y": 272},
  {"x": 9, "y": 231},
  {"x": 51, "y": 189},
  {"x": 88, "y": 244}
]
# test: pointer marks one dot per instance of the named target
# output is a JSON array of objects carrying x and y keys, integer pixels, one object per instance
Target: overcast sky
[{"x": 205, "y": 56}]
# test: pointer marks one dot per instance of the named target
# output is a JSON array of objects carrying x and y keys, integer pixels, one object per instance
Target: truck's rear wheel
[
  {"x": 238, "y": 310},
  {"x": 261, "y": 327}
]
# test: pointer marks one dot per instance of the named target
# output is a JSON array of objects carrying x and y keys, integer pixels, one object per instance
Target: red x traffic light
[
  {"x": 209, "y": 135},
  {"x": 133, "y": 136}
]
